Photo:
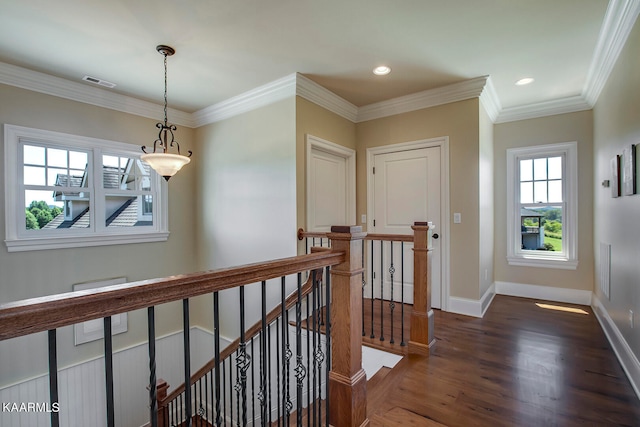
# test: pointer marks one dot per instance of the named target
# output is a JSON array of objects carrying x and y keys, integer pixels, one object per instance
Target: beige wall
[
  {"x": 311, "y": 119},
  {"x": 616, "y": 221},
  {"x": 547, "y": 130},
  {"x": 486, "y": 201},
  {"x": 459, "y": 121},
  {"x": 46, "y": 272},
  {"x": 246, "y": 201}
]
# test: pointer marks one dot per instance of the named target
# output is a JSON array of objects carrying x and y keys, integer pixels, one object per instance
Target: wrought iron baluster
[
  {"x": 373, "y": 335},
  {"x": 224, "y": 394},
  {"x": 262, "y": 395},
  {"x": 392, "y": 304},
  {"x": 286, "y": 355},
  {"x": 153, "y": 392},
  {"x": 308, "y": 354},
  {"x": 300, "y": 369},
  {"x": 53, "y": 377},
  {"x": 363, "y": 285},
  {"x": 243, "y": 362},
  {"x": 313, "y": 330},
  {"x": 231, "y": 388},
  {"x": 327, "y": 332},
  {"x": 197, "y": 392},
  {"x": 269, "y": 371},
  {"x": 108, "y": 369},
  {"x": 206, "y": 397},
  {"x": 187, "y": 360},
  {"x": 402, "y": 342},
  {"x": 278, "y": 369},
  {"x": 216, "y": 344},
  {"x": 253, "y": 388},
  {"x": 381, "y": 290},
  {"x": 237, "y": 387}
]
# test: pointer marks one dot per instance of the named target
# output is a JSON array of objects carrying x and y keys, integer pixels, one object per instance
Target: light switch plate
[{"x": 457, "y": 218}]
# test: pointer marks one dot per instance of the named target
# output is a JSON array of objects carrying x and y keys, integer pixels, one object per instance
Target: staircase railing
[
  {"x": 237, "y": 359},
  {"x": 346, "y": 397},
  {"x": 390, "y": 262}
]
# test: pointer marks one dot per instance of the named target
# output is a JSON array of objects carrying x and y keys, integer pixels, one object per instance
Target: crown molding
[
  {"x": 616, "y": 26},
  {"x": 490, "y": 101},
  {"x": 13, "y": 75},
  {"x": 429, "y": 98},
  {"x": 259, "y": 97},
  {"x": 312, "y": 91},
  {"x": 541, "y": 109}
]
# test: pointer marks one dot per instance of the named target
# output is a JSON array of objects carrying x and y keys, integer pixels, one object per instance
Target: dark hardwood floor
[{"x": 520, "y": 365}]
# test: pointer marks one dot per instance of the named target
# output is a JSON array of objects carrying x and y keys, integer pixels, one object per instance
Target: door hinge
[
  {"x": 374, "y": 222},
  {"x": 374, "y": 170}
]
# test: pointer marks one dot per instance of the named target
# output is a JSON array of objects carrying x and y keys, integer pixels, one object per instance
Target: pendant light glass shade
[{"x": 166, "y": 164}]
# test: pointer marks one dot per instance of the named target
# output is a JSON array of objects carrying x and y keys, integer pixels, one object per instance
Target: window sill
[
  {"x": 21, "y": 245},
  {"x": 559, "y": 263}
]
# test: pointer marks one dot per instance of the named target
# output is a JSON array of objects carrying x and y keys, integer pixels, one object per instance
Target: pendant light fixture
[{"x": 165, "y": 163}]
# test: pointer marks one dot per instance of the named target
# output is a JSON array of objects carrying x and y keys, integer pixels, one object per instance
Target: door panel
[
  {"x": 406, "y": 190},
  {"x": 327, "y": 195}
]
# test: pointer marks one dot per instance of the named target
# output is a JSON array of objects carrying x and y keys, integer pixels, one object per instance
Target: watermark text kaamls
[{"x": 30, "y": 407}]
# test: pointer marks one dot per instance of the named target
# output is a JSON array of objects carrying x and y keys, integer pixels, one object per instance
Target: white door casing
[
  {"x": 331, "y": 185},
  {"x": 410, "y": 184}
]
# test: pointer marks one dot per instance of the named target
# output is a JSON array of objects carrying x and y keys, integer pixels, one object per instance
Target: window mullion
[{"x": 97, "y": 193}]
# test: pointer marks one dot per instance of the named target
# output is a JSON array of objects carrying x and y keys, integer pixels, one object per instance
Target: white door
[
  {"x": 331, "y": 188},
  {"x": 406, "y": 190},
  {"x": 328, "y": 195}
]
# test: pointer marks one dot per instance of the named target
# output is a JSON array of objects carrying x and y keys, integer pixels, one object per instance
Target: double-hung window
[
  {"x": 542, "y": 212},
  {"x": 70, "y": 191}
]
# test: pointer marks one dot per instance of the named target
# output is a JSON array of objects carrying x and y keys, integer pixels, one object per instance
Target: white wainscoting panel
[{"x": 81, "y": 387}]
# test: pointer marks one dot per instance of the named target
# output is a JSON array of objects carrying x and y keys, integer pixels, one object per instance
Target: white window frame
[
  {"x": 16, "y": 239},
  {"x": 568, "y": 258}
]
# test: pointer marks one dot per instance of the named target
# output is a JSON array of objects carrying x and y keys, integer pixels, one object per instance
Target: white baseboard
[
  {"x": 471, "y": 307},
  {"x": 625, "y": 355},
  {"x": 549, "y": 293}
]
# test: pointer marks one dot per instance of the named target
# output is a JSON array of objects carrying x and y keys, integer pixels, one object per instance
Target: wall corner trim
[
  {"x": 472, "y": 307},
  {"x": 627, "y": 359}
]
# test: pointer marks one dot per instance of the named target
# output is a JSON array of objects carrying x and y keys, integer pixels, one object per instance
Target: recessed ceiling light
[
  {"x": 382, "y": 70},
  {"x": 525, "y": 81}
]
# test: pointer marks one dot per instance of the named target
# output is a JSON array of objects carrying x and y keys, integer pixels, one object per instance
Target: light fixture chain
[{"x": 165, "y": 88}]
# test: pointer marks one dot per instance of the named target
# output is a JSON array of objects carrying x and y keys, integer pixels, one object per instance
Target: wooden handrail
[
  {"x": 49, "y": 312},
  {"x": 250, "y": 333},
  {"x": 370, "y": 236}
]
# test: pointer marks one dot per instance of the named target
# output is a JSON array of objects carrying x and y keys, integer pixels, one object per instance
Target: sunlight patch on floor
[{"x": 561, "y": 308}]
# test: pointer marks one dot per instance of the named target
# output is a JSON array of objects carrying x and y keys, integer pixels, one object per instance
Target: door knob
[{"x": 435, "y": 235}]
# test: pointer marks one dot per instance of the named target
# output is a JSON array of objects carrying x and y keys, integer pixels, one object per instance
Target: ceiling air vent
[{"x": 98, "y": 81}]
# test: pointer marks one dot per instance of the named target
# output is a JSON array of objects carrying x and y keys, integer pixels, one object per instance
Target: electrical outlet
[{"x": 631, "y": 318}]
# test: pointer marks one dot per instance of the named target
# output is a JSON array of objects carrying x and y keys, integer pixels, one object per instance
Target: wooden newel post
[
  {"x": 421, "y": 337},
  {"x": 347, "y": 379}
]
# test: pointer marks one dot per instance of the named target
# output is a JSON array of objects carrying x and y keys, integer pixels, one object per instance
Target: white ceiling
[{"x": 225, "y": 48}]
